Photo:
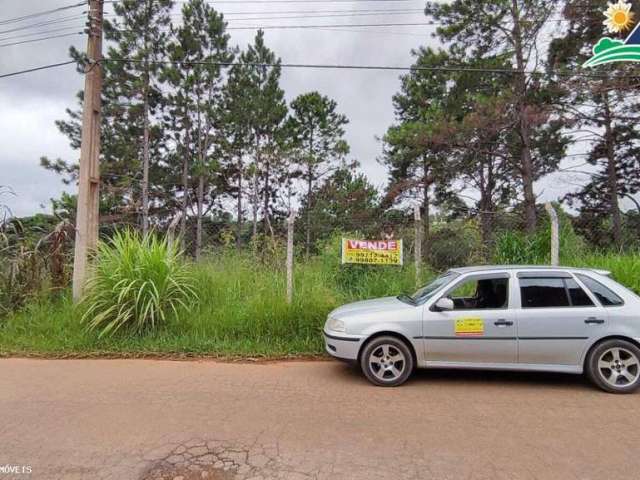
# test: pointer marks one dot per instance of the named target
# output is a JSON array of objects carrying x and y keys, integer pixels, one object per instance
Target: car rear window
[{"x": 604, "y": 294}]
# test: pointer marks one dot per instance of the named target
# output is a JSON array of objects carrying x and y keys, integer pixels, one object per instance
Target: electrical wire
[
  {"x": 74, "y": 28},
  {"x": 56, "y": 21},
  {"x": 36, "y": 69},
  {"x": 42, "y": 13},
  {"x": 40, "y": 39}
]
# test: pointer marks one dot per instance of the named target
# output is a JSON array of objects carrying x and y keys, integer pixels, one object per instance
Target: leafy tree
[
  {"x": 344, "y": 202},
  {"x": 317, "y": 129}
]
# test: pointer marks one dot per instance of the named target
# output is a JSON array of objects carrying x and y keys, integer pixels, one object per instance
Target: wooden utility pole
[{"x": 89, "y": 183}]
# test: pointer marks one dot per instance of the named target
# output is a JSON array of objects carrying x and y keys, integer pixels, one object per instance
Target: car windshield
[{"x": 426, "y": 292}]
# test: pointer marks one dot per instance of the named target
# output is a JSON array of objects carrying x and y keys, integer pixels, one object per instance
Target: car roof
[{"x": 542, "y": 268}]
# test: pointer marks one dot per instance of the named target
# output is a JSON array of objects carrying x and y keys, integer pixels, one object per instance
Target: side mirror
[{"x": 444, "y": 305}]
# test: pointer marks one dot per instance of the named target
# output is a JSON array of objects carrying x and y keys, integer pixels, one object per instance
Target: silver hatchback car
[{"x": 502, "y": 318}]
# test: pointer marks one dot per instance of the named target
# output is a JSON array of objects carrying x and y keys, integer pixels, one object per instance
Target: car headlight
[{"x": 335, "y": 325}]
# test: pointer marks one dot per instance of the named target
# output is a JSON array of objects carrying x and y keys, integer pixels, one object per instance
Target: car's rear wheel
[
  {"x": 386, "y": 361},
  {"x": 614, "y": 366}
]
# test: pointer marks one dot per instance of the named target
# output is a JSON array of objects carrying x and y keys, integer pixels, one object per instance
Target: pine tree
[
  {"x": 268, "y": 112},
  {"x": 509, "y": 29},
  {"x": 318, "y": 133},
  {"x": 418, "y": 169},
  {"x": 237, "y": 133},
  {"x": 198, "y": 52},
  {"x": 600, "y": 107},
  {"x": 140, "y": 36},
  {"x": 131, "y": 101}
]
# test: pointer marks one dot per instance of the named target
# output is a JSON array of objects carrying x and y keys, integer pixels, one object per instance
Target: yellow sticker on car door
[{"x": 469, "y": 327}]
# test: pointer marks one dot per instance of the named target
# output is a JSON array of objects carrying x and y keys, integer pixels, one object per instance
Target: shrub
[
  {"x": 135, "y": 283},
  {"x": 454, "y": 245}
]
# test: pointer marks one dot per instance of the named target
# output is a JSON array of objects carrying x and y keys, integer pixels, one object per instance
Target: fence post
[
  {"x": 290, "y": 224},
  {"x": 418, "y": 244},
  {"x": 555, "y": 234}
]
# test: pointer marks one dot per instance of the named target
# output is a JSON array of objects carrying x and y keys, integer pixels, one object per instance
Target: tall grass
[
  {"x": 242, "y": 311},
  {"x": 135, "y": 284}
]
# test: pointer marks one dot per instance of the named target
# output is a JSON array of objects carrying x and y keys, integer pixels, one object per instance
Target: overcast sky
[{"x": 30, "y": 104}]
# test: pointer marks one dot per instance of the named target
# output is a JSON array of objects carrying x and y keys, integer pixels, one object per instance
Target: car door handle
[
  {"x": 503, "y": 323},
  {"x": 594, "y": 321}
]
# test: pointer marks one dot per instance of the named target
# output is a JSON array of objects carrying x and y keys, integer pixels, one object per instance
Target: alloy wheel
[
  {"x": 387, "y": 362},
  {"x": 619, "y": 367}
]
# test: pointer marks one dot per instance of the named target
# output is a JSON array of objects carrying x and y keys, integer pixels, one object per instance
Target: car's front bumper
[{"x": 342, "y": 347}]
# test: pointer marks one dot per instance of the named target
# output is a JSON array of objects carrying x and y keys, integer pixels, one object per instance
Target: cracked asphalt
[{"x": 163, "y": 420}]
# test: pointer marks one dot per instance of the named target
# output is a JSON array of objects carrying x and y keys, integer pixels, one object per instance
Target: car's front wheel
[
  {"x": 386, "y": 361},
  {"x": 614, "y": 366}
]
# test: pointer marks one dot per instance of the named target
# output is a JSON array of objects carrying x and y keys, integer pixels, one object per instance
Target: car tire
[
  {"x": 614, "y": 366},
  {"x": 387, "y": 361}
]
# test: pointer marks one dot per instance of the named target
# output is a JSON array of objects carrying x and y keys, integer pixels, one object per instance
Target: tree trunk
[
  {"x": 239, "y": 205},
  {"x": 200, "y": 215},
  {"x": 308, "y": 219},
  {"x": 145, "y": 166},
  {"x": 185, "y": 197},
  {"x": 145, "y": 141},
  {"x": 612, "y": 174},
  {"x": 255, "y": 204},
  {"x": 265, "y": 197},
  {"x": 526, "y": 162}
]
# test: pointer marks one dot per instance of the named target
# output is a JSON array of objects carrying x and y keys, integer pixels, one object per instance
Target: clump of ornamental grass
[{"x": 136, "y": 284}]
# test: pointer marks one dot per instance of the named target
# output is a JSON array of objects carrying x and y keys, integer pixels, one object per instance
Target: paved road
[{"x": 144, "y": 420}]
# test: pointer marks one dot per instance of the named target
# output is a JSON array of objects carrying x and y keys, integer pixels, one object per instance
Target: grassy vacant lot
[{"x": 242, "y": 311}]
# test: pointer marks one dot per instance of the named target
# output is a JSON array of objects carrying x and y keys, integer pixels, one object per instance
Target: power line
[
  {"x": 453, "y": 68},
  {"x": 67, "y": 19},
  {"x": 35, "y": 69},
  {"x": 302, "y": 27},
  {"x": 45, "y": 32},
  {"x": 40, "y": 39},
  {"x": 283, "y": 12},
  {"x": 39, "y": 14},
  {"x": 296, "y": 17}
]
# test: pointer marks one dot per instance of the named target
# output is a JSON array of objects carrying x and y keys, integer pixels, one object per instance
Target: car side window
[
  {"x": 541, "y": 292},
  {"x": 481, "y": 294},
  {"x": 604, "y": 295}
]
